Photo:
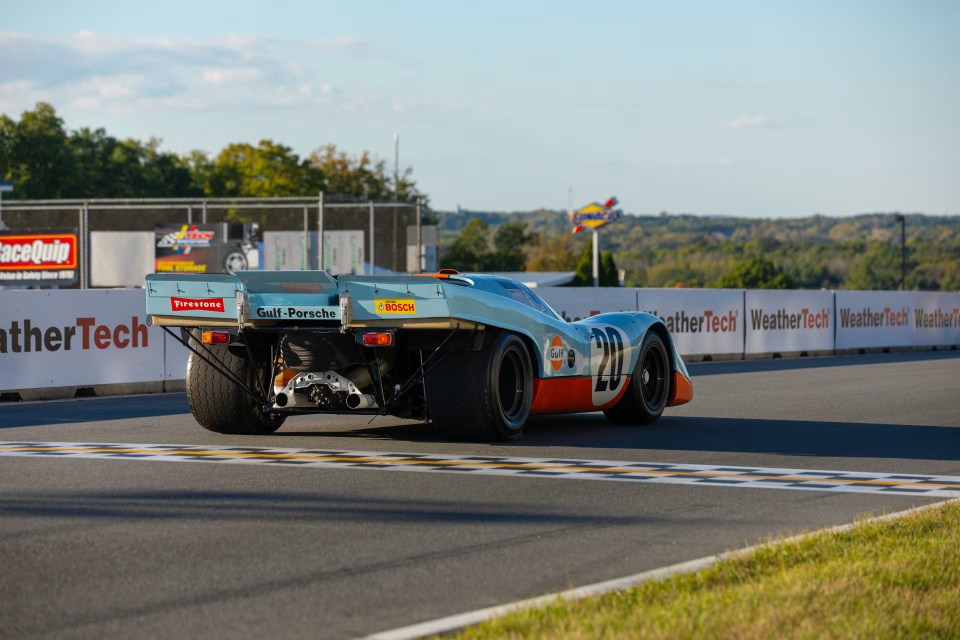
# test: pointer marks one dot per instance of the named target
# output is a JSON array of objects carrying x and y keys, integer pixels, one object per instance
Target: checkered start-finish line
[{"x": 568, "y": 469}]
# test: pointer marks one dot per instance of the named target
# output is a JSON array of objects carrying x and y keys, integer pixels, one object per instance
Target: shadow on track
[
  {"x": 681, "y": 433},
  {"x": 92, "y": 410},
  {"x": 698, "y": 369}
]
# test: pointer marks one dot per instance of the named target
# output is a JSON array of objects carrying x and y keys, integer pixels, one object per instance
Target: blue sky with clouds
[{"x": 747, "y": 108}]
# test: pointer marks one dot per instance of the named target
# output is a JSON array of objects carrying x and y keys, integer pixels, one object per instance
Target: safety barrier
[{"x": 56, "y": 343}]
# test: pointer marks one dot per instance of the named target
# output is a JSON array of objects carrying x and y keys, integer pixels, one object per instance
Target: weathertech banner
[
  {"x": 702, "y": 321},
  {"x": 38, "y": 258},
  {"x": 788, "y": 321},
  {"x": 868, "y": 319},
  {"x": 77, "y": 338}
]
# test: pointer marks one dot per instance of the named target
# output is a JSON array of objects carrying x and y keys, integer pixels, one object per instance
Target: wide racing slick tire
[
  {"x": 646, "y": 397},
  {"x": 219, "y": 404},
  {"x": 485, "y": 394}
]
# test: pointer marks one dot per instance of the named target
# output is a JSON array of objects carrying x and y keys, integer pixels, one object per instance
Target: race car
[{"x": 474, "y": 354}]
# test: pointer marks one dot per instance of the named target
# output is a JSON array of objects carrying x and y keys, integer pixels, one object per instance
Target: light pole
[
  {"x": 5, "y": 185},
  {"x": 903, "y": 250},
  {"x": 396, "y": 166}
]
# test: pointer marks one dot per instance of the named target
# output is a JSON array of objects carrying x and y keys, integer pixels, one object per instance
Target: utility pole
[
  {"x": 396, "y": 166},
  {"x": 903, "y": 250}
]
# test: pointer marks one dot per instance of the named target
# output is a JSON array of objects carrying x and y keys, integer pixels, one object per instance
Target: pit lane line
[{"x": 934, "y": 486}]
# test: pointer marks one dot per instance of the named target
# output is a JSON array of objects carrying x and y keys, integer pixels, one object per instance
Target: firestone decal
[{"x": 197, "y": 304}]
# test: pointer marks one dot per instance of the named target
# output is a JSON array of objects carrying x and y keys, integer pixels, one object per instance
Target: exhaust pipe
[{"x": 361, "y": 401}]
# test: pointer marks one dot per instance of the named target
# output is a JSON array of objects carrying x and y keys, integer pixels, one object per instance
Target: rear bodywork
[{"x": 309, "y": 327}]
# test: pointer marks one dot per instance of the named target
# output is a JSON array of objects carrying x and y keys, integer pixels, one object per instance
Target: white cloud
[
  {"x": 744, "y": 122},
  {"x": 93, "y": 71}
]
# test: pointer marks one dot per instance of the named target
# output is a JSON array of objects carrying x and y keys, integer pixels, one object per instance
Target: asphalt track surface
[{"x": 120, "y": 547}]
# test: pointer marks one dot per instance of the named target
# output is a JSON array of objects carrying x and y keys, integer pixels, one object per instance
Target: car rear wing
[{"x": 249, "y": 298}]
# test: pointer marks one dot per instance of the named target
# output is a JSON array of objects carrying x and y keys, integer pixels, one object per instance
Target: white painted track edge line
[{"x": 466, "y": 619}]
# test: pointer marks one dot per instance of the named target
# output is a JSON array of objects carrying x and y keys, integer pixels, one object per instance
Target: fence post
[
  {"x": 420, "y": 265},
  {"x": 373, "y": 264},
  {"x": 189, "y": 214},
  {"x": 320, "y": 241},
  {"x": 203, "y": 218},
  {"x": 305, "y": 256},
  {"x": 84, "y": 247}
]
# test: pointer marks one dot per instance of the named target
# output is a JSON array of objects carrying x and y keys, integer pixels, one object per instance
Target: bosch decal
[{"x": 391, "y": 306}]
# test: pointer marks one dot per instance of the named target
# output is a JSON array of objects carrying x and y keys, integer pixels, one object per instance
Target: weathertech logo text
[
  {"x": 197, "y": 304},
  {"x": 22, "y": 336},
  {"x": 783, "y": 319},
  {"x": 868, "y": 318},
  {"x": 708, "y": 322}
]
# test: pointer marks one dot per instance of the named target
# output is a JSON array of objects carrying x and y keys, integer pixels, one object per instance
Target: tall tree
[
  {"x": 40, "y": 162},
  {"x": 754, "y": 273},
  {"x": 267, "y": 170},
  {"x": 511, "y": 241},
  {"x": 470, "y": 250}
]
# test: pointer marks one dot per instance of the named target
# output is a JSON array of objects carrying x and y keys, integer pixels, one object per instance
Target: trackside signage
[
  {"x": 38, "y": 258},
  {"x": 702, "y": 321},
  {"x": 867, "y": 319},
  {"x": 77, "y": 338},
  {"x": 787, "y": 321},
  {"x": 576, "y": 303}
]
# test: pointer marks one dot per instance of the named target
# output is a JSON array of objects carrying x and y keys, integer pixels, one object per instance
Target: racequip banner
[
  {"x": 788, "y": 321},
  {"x": 38, "y": 258}
]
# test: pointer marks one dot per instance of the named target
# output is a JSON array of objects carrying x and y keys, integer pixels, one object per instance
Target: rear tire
[
  {"x": 646, "y": 397},
  {"x": 485, "y": 394},
  {"x": 221, "y": 406}
]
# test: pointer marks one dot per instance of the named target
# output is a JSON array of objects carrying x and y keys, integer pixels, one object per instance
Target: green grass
[{"x": 892, "y": 579}]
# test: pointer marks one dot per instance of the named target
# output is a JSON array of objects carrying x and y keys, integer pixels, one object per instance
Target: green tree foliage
[
  {"x": 471, "y": 250},
  {"x": 878, "y": 268},
  {"x": 44, "y": 160},
  {"x": 583, "y": 272},
  {"x": 754, "y": 273}
]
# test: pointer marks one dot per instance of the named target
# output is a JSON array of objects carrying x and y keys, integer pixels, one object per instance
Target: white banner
[
  {"x": 784, "y": 321},
  {"x": 77, "y": 338},
  {"x": 702, "y": 321},
  {"x": 121, "y": 258},
  {"x": 936, "y": 318},
  {"x": 869, "y": 319},
  {"x": 287, "y": 250},
  {"x": 577, "y": 303}
]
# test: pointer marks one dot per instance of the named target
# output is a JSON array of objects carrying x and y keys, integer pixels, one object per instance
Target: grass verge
[{"x": 897, "y": 578}]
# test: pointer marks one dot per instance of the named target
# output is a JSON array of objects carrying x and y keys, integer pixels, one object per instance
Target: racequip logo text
[
  {"x": 402, "y": 305},
  {"x": 197, "y": 304},
  {"x": 43, "y": 251}
]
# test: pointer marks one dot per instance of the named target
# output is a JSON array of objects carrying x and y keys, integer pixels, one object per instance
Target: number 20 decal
[{"x": 608, "y": 349}]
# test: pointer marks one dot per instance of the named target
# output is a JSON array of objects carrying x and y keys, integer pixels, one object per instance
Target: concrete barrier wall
[{"x": 85, "y": 338}]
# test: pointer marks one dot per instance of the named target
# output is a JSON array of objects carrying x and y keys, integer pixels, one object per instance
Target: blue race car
[{"x": 475, "y": 354}]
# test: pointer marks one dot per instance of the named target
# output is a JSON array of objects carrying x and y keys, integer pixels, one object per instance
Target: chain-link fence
[{"x": 359, "y": 236}]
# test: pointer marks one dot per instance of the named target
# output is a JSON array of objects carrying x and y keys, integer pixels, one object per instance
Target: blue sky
[{"x": 767, "y": 109}]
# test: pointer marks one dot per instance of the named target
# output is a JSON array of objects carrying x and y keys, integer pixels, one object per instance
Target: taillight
[
  {"x": 215, "y": 337},
  {"x": 381, "y": 339}
]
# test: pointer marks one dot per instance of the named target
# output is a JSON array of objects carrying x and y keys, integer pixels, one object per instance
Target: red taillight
[
  {"x": 384, "y": 339},
  {"x": 215, "y": 337}
]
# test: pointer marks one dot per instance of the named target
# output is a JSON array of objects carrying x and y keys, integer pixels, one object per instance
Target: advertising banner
[
  {"x": 288, "y": 251},
  {"x": 343, "y": 252},
  {"x": 38, "y": 258},
  {"x": 77, "y": 338},
  {"x": 120, "y": 258},
  {"x": 867, "y": 319},
  {"x": 203, "y": 248},
  {"x": 576, "y": 303},
  {"x": 702, "y": 321},
  {"x": 936, "y": 318},
  {"x": 788, "y": 321}
]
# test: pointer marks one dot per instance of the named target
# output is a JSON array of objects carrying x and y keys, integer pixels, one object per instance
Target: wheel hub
[{"x": 645, "y": 376}]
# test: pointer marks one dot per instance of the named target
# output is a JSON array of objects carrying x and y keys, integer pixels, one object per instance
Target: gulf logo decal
[
  {"x": 557, "y": 353},
  {"x": 610, "y": 355}
]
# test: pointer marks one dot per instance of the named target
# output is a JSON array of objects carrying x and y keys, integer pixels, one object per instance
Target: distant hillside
[{"x": 862, "y": 251}]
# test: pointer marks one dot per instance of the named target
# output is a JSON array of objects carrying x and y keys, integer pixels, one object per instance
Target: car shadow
[{"x": 33, "y": 414}]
